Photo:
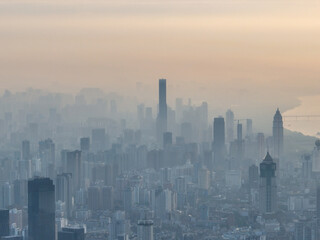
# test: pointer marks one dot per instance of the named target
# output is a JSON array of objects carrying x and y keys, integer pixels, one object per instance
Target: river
[{"x": 309, "y": 106}]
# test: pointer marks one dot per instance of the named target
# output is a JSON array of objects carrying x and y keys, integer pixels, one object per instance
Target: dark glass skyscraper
[
  {"x": 162, "y": 116},
  {"x": 41, "y": 209},
  {"x": 268, "y": 186},
  {"x": 4, "y": 222}
]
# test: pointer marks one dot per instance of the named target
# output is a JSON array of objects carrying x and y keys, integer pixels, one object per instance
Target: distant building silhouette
[
  {"x": 278, "y": 135},
  {"x": 268, "y": 185},
  {"x": 162, "y": 115},
  {"x": 229, "y": 126},
  {"x": 219, "y": 140}
]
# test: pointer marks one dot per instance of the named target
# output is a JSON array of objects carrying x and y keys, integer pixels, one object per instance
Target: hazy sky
[{"x": 227, "y": 52}]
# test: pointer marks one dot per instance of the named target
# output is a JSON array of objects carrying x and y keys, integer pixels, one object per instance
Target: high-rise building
[
  {"x": 278, "y": 135},
  {"x": 162, "y": 115},
  {"x": 64, "y": 191},
  {"x": 4, "y": 222},
  {"x": 253, "y": 176},
  {"x": 318, "y": 205},
  {"x": 268, "y": 185},
  {"x": 249, "y": 128},
  {"x": 219, "y": 148},
  {"x": 145, "y": 230},
  {"x": 73, "y": 166},
  {"x": 20, "y": 192},
  {"x": 167, "y": 139},
  {"x": 71, "y": 233},
  {"x": 85, "y": 144},
  {"x": 240, "y": 143},
  {"x": 41, "y": 209},
  {"x": 261, "y": 146},
  {"x": 47, "y": 157},
  {"x": 229, "y": 126}
]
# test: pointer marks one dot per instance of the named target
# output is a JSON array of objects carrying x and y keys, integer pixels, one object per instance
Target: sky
[{"x": 231, "y": 53}]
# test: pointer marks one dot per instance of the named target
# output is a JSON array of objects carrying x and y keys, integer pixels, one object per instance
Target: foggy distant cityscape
[
  {"x": 159, "y": 120},
  {"x": 80, "y": 167}
]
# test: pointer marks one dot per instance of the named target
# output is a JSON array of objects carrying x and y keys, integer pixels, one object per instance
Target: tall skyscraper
[
  {"x": 4, "y": 222},
  {"x": 64, "y": 191},
  {"x": 278, "y": 135},
  {"x": 41, "y": 209},
  {"x": 229, "y": 125},
  {"x": 268, "y": 185},
  {"x": 219, "y": 140},
  {"x": 162, "y": 115}
]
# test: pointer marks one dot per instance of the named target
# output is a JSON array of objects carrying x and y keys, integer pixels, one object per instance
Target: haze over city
[{"x": 159, "y": 120}]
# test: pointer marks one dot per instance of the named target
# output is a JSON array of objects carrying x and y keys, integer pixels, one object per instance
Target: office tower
[
  {"x": 145, "y": 230},
  {"x": 25, "y": 154},
  {"x": 94, "y": 198},
  {"x": 71, "y": 233},
  {"x": 98, "y": 139},
  {"x": 278, "y": 135},
  {"x": 268, "y": 186},
  {"x": 203, "y": 178},
  {"x": 167, "y": 139},
  {"x": 240, "y": 143},
  {"x": 73, "y": 166},
  {"x": 306, "y": 166},
  {"x": 20, "y": 192},
  {"x": 249, "y": 127},
  {"x": 47, "y": 156},
  {"x": 64, "y": 191},
  {"x": 316, "y": 157},
  {"x": 4, "y": 222},
  {"x": 253, "y": 176},
  {"x": 162, "y": 115},
  {"x": 85, "y": 144},
  {"x": 41, "y": 209},
  {"x": 229, "y": 126},
  {"x": 261, "y": 146},
  {"x": 239, "y": 131},
  {"x": 219, "y": 140}
]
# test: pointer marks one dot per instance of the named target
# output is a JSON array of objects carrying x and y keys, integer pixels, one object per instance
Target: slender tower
[
  {"x": 278, "y": 135},
  {"x": 162, "y": 115},
  {"x": 229, "y": 125},
  {"x": 268, "y": 186}
]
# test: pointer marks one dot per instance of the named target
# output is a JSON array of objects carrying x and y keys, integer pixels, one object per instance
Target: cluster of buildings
[{"x": 87, "y": 170}]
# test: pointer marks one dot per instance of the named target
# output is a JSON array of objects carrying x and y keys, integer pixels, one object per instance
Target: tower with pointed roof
[
  {"x": 277, "y": 131},
  {"x": 268, "y": 185}
]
